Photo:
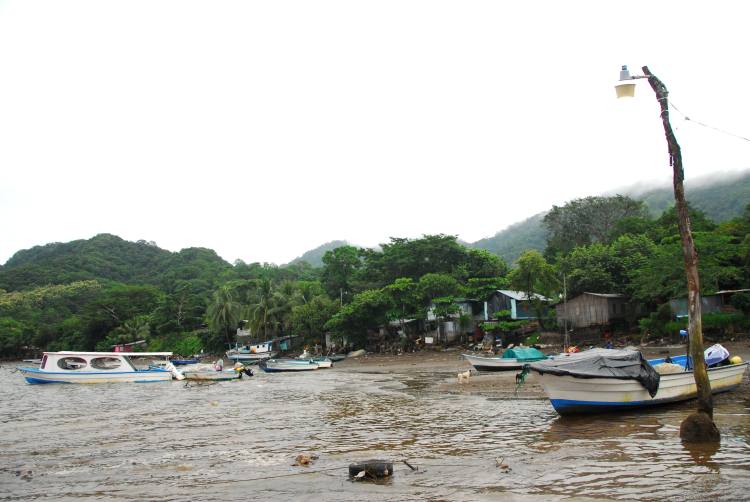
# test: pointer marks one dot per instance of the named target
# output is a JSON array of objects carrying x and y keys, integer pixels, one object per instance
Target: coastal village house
[
  {"x": 717, "y": 302},
  {"x": 593, "y": 309},
  {"x": 517, "y": 302},
  {"x": 449, "y": 329}
]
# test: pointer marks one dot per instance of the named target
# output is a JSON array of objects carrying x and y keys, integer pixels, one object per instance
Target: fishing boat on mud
[
  {"x": 600, "y": 380},
  {"x": 322, "y": 361},
  {"x": 98, "y": 367},
  {"x": 279, "y": 365},
  {"x": 251, "y": 354},
  {"x": 512, "y": 359},
  {"x": 207, "y": 372}
]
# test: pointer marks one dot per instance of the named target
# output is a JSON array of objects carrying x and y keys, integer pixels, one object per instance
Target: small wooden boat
[
  {"x": 278, "y": 365},
  {"x": 206, "y": 372},
  {"x": 609, "y": 380},
  {"x": 251, "y": 354},
  {"x": 185, "y": 362},
  {"x": 97, "y": 367},
  {"x": 512, "y": 359},
  {"x": 321, "y": 361}
]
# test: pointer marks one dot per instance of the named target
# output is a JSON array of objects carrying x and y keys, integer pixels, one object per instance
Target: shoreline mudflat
[{"x": 449, "y": 363}]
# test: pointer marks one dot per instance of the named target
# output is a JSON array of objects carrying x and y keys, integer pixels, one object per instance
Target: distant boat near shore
[
  {"x": 279, "y": 365},
  {"x": 512, "y": 359}
]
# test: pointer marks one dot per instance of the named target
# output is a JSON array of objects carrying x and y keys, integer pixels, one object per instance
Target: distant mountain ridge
[
  {"x": 721, "y": 200},
  {"x": 110, "y": 258},
  {"x": 315, "y": 256}
]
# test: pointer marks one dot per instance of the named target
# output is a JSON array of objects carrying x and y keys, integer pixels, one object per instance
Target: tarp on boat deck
[
  {"x": 524, "y": 354},
  {"x": 603, "y": 363}
]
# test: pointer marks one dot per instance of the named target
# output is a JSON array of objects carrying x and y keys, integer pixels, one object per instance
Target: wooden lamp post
[{"x": 699, "y": 426}]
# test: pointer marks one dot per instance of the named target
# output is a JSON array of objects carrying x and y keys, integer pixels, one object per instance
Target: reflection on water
[{"x": 238, "y": 440}]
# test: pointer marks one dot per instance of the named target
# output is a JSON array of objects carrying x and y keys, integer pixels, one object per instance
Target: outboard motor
[{"x": 175, "y": 372}]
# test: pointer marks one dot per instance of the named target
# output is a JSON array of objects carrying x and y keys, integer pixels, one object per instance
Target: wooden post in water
[{"x": 697, "y": 427}]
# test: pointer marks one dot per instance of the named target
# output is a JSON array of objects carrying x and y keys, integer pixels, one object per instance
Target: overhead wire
[{"x": 707, "y": 125}]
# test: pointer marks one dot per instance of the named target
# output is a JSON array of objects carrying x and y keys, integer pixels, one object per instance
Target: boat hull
[
  {"x": 570, "y": 395},
  {"x": 250, "y": 358},
  {"x": 494, "y": 363},
  {"x": 212, "y": 375},
  {"x": 36, "y": 376},
  {"x": 275, "y": 366}
]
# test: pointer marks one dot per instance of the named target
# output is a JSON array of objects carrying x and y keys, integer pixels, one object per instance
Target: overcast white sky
[{"x": 262, "y": 129}]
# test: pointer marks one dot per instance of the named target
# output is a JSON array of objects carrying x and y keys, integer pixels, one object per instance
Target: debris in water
[{"x": 371, "y": 469}]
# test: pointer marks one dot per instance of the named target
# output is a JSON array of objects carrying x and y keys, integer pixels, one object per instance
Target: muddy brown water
[{"x": 238, "y": 441}]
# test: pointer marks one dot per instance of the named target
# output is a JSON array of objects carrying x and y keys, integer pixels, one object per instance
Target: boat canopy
[
  {"x": 621, "y": 364},
  {"x": 524, "y": 354},
  {"x": 112, "y": 354}
]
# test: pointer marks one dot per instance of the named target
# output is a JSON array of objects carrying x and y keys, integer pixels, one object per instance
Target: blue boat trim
[
  {"x": 74, "y": 372},
  {"x": 569, "y": 406},
  {"x": 39, "y": 381}
]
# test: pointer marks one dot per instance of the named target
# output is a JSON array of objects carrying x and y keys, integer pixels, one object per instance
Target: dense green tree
[
  {"x": 14, "y": 337},
  {"x": 223, "y": 314},
  {"x": 405, "y": 298},
  {"x": 433, "y": 286},
  {"x": 478, "y": 263},
  {"x": 414, "y": 258},
  {"x": 367, "y": 310},
  {"x": 591, "y": 269},
  {"x": 583, "y": 221},
  {"x": 480, "y": 289},
  {"x": 308, "y": 319},
  {"x": 340, "y": 268},
  {"x": 533, "y": 275},
  {"x": 662, "y": 276}
]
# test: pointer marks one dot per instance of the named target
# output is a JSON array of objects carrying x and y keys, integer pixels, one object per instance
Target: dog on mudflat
[{"x": 464, "y": 377}]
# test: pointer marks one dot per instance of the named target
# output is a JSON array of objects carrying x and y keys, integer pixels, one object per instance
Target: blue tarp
[{"x": 524, "y": 354}]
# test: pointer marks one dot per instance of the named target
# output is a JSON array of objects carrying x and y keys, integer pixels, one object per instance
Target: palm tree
[
  {"x": 130, "y": 331},
  {"x": 271, "y": 306},
  {"x": 223, "y": 313}
]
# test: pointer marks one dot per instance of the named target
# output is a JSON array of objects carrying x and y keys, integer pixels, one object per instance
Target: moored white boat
[
  {"x": 482, "y": 363},
  {"x": 570, "y": 394},
  {"x": 251, "y": 354},
  {"x": 277, "y": 365},
  {"x": 512, "y": 359},
  {"x": 96, "y": 367},
  {"x": 321, "y": 361},
  {"x": 210, "y": 374}
]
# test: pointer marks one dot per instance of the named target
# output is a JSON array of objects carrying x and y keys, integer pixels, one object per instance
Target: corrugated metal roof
[{"x": 520, "y": 295}]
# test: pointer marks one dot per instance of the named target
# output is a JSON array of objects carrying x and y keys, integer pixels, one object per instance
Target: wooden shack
[
  {"x": 593, "y": 309},
  {"x": 717, "y": 302}
]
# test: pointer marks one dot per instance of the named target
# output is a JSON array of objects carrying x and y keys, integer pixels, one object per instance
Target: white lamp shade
[{"x": 625, "y": 89}]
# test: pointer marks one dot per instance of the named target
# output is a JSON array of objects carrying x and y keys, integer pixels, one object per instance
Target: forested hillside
[
  {"x": 517, "y": 238},
  {"x": 92, "y": 294},
  {"x": 315, "y": 256},
  {"x": 109, "y": 258},
  {"x": 720, "y": 200}
]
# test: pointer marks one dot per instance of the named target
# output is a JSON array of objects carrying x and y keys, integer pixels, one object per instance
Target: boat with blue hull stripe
[
  {"x": 574, "y": 393},
  {"x": 99, "y": 367}
]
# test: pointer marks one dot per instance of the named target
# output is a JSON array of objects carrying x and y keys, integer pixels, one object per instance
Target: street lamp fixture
[
  {"x": 625, "y": 87},
  {"x": 698, "y": 427}
]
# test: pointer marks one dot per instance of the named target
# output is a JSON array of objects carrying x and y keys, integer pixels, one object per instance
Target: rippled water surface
[{"x": 238, "y": 441}]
